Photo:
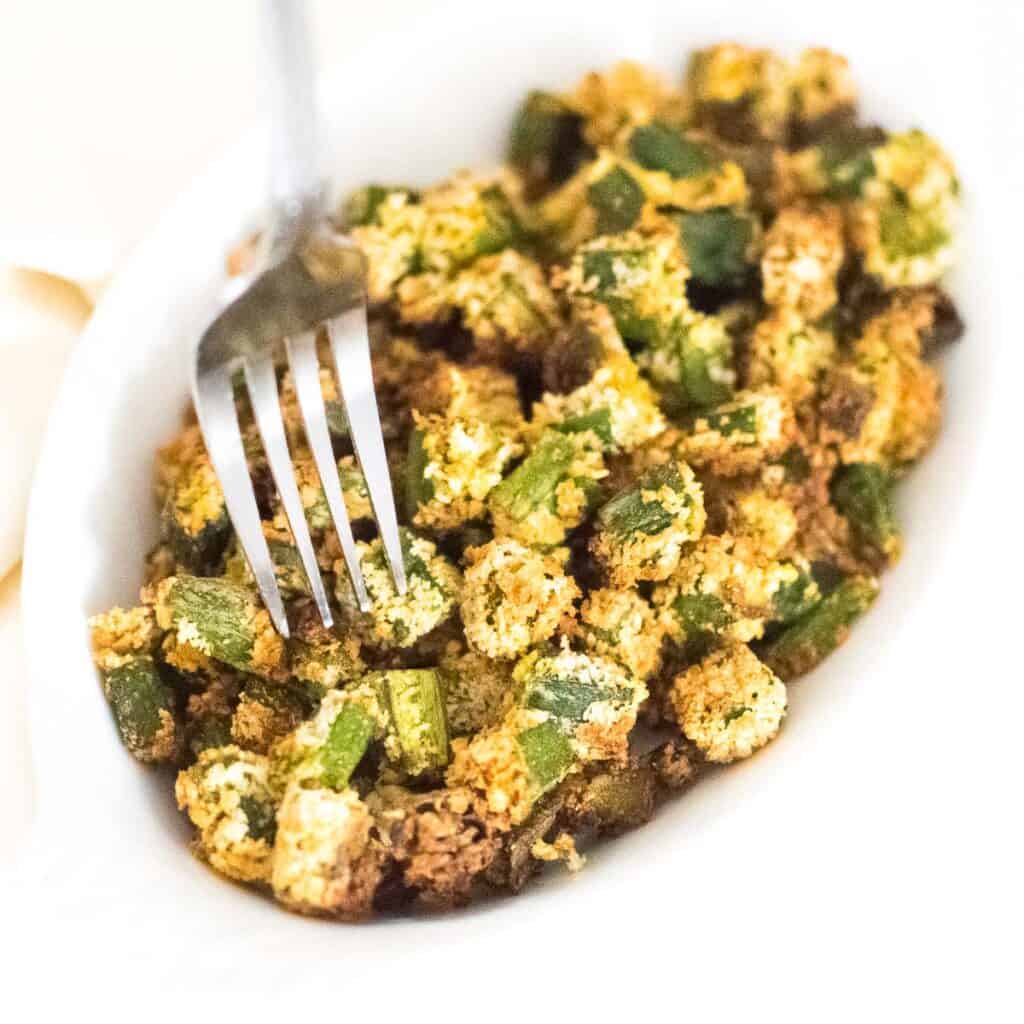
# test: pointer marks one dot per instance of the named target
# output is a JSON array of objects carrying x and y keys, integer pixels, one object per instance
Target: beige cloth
[{"x": 40, "y": 317}]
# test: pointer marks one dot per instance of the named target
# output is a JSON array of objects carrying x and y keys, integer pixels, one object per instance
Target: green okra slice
[
  {"x": 810, "y": 639},
  {"x": 691, "y": 361},
  {"x": 717, "y": 244},
  {"x": 579, "y": 689},
  {"x": 144, "y": 709},
  {"x": 325, "y": 750},
  {"x": 143, "y": 704},
  {"x": 642, "y": 529},
  {"x": 796, "y": 596},
  {"x": 863, "y": 492},
  {"x": 609, "y": 269},
  {"x": 415, "y": 701},
  {"x": 659, "y": 147},
  {"x": 194, "y": 519},
  {"x": 617, "y": 199},
  {"x": 550, "y": 491},
  {"x": 220, "y": 619},
  {"x": 547, "y": 754},
  {"x": 546, "y": 142}
]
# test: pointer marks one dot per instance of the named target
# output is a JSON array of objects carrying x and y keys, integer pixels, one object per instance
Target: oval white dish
[{"x": 786, "y": 842}]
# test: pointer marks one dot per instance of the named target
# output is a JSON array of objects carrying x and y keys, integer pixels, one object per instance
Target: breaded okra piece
[
  {"x": 739, "y": 93},
  {"x": 227, "y": 795},
  {"x": 726, "y": 587},
  {"x": 803, "y": 251},
  {"x": 291, "y": 576},
  {"x": 691, "y": 363},
  {"x": 470, "y": 392},
  {"x": 790, "y": 353},
  {"x": 323, "y": 663},
  {"x": 884, "y": 405},
  {"x": 123, "y": 642},
  {"x": 392, "y": 240},
  {"x": 621, "y": 625},
  {"x": 503, "y": 300},
  {"x": 399, "y": 620},
  {"x": 476, "y": 688},
  {"x": 615, "y": 403},
  {"x": 193, "y": 519},
  {"x": 611, "y": 802},
  {"x": 417, "y": 731},
  {"x": 862, "y": 491},
  {"x": 574, "y": 709},
  {"x": 643, "y": 529},
  {"x": 325, "y": 750},
  {"x": 768, "y": 520},
  {"x": 594, "y": 700},
  {"x": 823, "y": 91},
  {"x": 612, "y": 101},
  {"x": 546, "y": 142},
  {"x": 467, "y": 217},
  {"x": 514, "y": 597},
  {"x": 730, "y": 704},
  {"x": 658, "y": 168},
  {"x": 903, "y": 225},
  {"x": 510, "y": 766},
  {"x": 719, "y": 244},
  {"x": 814, "y": 636},
  {"x": 440, "y": 840},
  {"x": 640, "y": 278},
  {"x": 328, "y": 858},
  {"x": 216, "y": 618},
  {"x": 453, "y": 465},
  {"x": 551, "y": 491},
  {"x": 737, "y": 437},
  {"x": 267, "y": 711}
]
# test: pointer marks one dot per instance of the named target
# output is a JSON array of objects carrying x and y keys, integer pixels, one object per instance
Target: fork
[{"x": 308, "y": 276}]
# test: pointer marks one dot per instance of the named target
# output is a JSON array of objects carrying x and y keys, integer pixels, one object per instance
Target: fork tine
[
  {"x": 350, "y": 345},
  {"x": 218, "y": 420},
  {"x": 259, "y": 375},
  {"x": 305, "y": 366}
]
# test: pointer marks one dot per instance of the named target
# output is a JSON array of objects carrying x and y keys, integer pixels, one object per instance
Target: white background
[{"x": 109, "y": 108}]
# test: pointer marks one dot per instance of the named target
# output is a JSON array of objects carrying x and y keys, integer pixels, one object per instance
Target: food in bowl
[{"x": 646, "y": 392}]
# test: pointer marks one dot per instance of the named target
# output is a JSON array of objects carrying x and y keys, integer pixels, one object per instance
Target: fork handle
[{"x": 296, "y": 181}]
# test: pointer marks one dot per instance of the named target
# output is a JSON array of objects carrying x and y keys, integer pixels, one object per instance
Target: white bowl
[{"x": 808, "y": 838}]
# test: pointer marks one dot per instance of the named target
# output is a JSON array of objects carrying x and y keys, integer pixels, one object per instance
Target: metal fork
[{"x": 309, "y": 276}]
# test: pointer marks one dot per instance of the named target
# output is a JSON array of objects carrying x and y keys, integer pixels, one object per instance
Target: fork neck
[{"x": 297, "y": 191}]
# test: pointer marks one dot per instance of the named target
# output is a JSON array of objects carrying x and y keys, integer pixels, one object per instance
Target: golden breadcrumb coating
[
  {"x": 803, "y": 251},
  {"x": 730, "y": 704},
  {"x": 790, "y": 353},
  {"x": 327, "y": 858},
  {"x": 622, "y": 626},
  {"x": 514, "y": 597},
  {"x": 227, "y": 795},
  {"x": 462, "y": 461},
  {"x": 477, "y": 689},
  {"x": 737, "y": 437},
  {"x": 727, "y": 76},
  {"x": 399, "y": 620},
  {"x": 119, "y": 634},
  {"x": 822, "y": 84},
  {"x": 443, "y": 844}
]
